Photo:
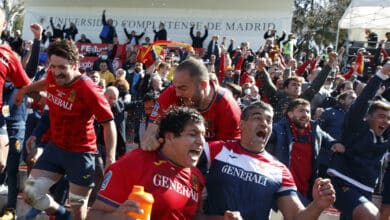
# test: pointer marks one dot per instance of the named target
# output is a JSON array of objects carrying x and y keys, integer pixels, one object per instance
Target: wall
[{"x": 242, "y": 20}]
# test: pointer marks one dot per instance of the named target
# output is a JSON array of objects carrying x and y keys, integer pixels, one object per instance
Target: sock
[
  {"x": 32, "y": 213},
  {"x": 62, "y": 214}
]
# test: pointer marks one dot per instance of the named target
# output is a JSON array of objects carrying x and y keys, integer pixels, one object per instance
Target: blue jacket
[
  {"x": 360, "y": 164},
  {"x": 331, "y": 121},
  {"x": 281, "y": 140}
]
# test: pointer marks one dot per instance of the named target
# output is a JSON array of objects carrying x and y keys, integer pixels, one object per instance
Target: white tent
[
  {"x": 373, "y": 14},
  {"x": 361, "y": 14}
]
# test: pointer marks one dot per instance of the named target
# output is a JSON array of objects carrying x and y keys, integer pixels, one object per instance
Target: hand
[
  {"x": 232, "y": 215},
  {"x": 104, "y": 11},
  {"x": 205, "y": 27},
  {"x": 51, "y": 18},
  {"x": 30, "y": 142},
  {"x": 109, "y": 161},
  {"x": 121, "y": 213},
  {"x": 338, "y": 148},
  {"x": 323, "y": 193},
  {"x": 149, "y": 141},
  {"x": 231, "y": 41},
  {"x": 333, "y": 60},
  {"x": 36, "y": 30},
  {"x": 19, "y": 96},
  {"x": 28, "y": 45}
]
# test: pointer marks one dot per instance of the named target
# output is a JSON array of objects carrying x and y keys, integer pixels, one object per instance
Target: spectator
[
  {"x": 197, "y": 41},
  {"x": 272, "y": 34},
  {"x": 291, "y": 87},
  {"x": 73, "y": 101},
  {"x": 331, "y": 121},
  {"x": 16, "y": 42},
  {"x": 122, "y": 85},
  {"x": 132, "y": 38},
  {"x": 192, "y": 88},
  {"x": 71, "y": 31},
  {"x": 235, "y": 183},
  {"x": 296, "y": 142},
  {"x": 355, "y": 169},
  {"x": 134, "y": 78},
  {"x": 58, "y": 33},
  {"x": 105, "y": 74},
  {"x": 372, "y": 38},
  {"x": 84, "y": 39},
  {"x": 108, "y": 32},
  {"x": 161, "y": 34},
  {"x": 183, "y": 130}
]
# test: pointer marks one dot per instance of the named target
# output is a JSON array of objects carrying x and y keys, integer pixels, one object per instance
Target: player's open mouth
[{"x": 261, "y": 134}]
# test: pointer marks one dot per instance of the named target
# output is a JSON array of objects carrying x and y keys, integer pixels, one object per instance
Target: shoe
[
  {"x": 9, "y": 214},
  {"x": 3, "y": 189}
]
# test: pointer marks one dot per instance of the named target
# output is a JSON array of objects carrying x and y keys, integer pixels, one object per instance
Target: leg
[
  {"x": 80, "y": 172},
  {"x": 385, "y": 212},
  {"x": 352, "y": 202},
  {"x": 366, "y": 211},
  {"x": 78, "y": 197},
  {"x": 37, "y": 188},
  {"x": 13, "y": 170}
]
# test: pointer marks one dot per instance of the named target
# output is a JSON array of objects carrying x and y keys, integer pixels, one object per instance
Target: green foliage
[
  {"x": 320, "y": 19},
  {"x": 12, "y": 9}
]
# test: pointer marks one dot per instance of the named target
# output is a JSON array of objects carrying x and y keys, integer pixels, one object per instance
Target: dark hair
[
  {"x": 177, "y": 118},
  {"x": 345, "y": 94},
  {"x": 288, "y": 80},
  {"x": 150, "y": 96},
  {"x": 295, "y": 102},
  {"x": 378, "y": 105},
  {"x": 255, "y": 105},
  {"x": 196, "y": 69},
  {"x": 236, "y": 89},
  {"x": 65, "y": 49}
]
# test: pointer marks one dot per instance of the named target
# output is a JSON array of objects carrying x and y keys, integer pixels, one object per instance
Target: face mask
[
  {"x": 247, "y": 91},
  {"x": 104, "y": 57}
]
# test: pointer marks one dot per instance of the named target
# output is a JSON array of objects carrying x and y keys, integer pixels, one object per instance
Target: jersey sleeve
[
  {"x": 117, "y": 183},
  {"x": 98, "y": 103},
  {"x": 228, "y": 109},
  {"x": 288, "y": 186},
  {"x": 17, "y": 74},
  {"x": 164, "y": 101}
]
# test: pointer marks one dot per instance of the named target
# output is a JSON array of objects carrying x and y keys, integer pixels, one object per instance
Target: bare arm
[
  {"x": 34, "y": 87},
  {"x": 323, "y": 196},
  {"x": 102, "y": 211},
  {"x": 110, "y": 141}
]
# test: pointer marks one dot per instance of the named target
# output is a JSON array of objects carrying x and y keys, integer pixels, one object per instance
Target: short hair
[
  {"x": 293, "y": 78},
  {"x": 65, "y": 49},
  {"x": 345, "y": 94},
  {"x": 256, "y": 105},
  {"x": 150, "y": 96},
  {"x": 378, "y": 105},
  {"x": 196, "y": 69},
  {"x": 177, "y": 118},
  {"x": 295, "y": 102},
  {"x": 112, "y": 89}
]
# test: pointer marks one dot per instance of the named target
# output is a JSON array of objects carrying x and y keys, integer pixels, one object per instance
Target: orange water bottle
[{"x": 145, "y": 201}]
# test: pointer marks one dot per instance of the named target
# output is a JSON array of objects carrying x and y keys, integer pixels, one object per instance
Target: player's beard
[{"x": 193, "y": 102}]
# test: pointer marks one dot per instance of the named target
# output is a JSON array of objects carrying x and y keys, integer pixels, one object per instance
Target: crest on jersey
[
  {"x": 194, "y": 182},
  {"x": 72, "y": 96},
  {"x": 155, "y": 109}
]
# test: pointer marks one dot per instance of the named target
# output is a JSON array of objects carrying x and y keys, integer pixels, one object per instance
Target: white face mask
[
  {"x": 247, "y": 91},
  {"x": 104, "y": 57}
]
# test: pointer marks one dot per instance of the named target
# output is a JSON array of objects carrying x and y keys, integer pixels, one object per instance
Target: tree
[
  {"x": 318, "y": 19},
  {"x": 12, "y": 9}
]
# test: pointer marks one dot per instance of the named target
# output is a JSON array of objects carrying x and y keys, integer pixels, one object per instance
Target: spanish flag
[{"x": 148, "y": 54}]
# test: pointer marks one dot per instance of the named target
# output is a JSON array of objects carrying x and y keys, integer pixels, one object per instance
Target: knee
[
  {"x": 77, "y": 200},
  {"x": 35, "y": 192}
]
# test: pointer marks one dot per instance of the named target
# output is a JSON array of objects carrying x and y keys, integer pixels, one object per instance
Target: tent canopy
[{"x": 373, "y": 14}]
